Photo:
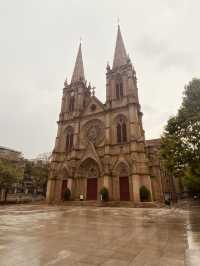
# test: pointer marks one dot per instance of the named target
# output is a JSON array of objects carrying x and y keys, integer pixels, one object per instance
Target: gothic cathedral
[{"x": 100, "y": 144}]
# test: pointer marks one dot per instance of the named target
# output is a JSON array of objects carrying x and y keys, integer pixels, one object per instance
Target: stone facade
[
  {"x": 10, "y": 155},
  {"x": 164, "y": 185},
  {"x": 100, "y": 145}
]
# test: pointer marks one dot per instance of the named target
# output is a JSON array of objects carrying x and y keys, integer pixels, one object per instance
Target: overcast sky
[{"x": 38, "y": 45}]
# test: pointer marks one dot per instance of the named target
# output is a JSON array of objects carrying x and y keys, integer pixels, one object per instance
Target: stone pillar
[
  {"x": 76, "y": 133},
  {"x": 130, "y": 181},
  {"x": 106, "y": 181},
  {"x": 50, "y": 190},
  {"x": 107, "y": 133},
  {"x": 136, "y": 188},
  {"x": 2, "y": 195},
  {"x": 69, "y": 183},
  {"x": 146, "y": 181},
  {"x": 75, "y": 188},
  {"x": 115, "y": 190},
  {"x": 58, "y": 190}
]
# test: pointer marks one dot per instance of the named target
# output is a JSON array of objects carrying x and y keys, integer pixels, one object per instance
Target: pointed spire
[
  {"x": 65, "y": 83},
  {"x": 78, "y": 73},
  {"x": 120, "y": 56}
]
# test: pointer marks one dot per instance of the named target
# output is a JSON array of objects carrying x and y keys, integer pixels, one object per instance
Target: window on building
[
  {"x": 71, "y": 102},
  {"x": 69, "y": 139},
  {"x": 119, "y": 90},
  {"x": 119, "y": 87},
  {"x": 124, "y": 137},
  {"x": 121, "y": 131}
]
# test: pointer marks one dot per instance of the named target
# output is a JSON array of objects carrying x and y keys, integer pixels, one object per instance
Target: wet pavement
[{"x": 34, "y": 235}]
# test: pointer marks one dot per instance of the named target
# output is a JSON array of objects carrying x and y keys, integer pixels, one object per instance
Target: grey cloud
[
  {"x": 39, "y": 41},
  {"x": 166, "y": 56},
  {"x": 148, "y": 46},
  {"x": 187, "y": 60},
  {"x": 149, "y": 109}
]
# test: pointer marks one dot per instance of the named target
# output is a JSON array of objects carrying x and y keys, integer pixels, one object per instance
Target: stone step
[{"x": 128, "y": 204}]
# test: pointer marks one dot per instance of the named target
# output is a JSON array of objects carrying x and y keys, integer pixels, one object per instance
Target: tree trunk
[
  {"x": 6, "y": 194},
  {"x": 2, "y": 194}
]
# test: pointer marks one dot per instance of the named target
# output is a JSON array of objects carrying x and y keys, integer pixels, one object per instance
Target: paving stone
[{"x": 44, "y": 235}]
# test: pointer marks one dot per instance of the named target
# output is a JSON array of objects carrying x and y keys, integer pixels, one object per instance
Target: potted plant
[
  {"x": 144, "y": 194},
  {"x": 104, "y": 194},
  {"x": 67, "y": 194}
]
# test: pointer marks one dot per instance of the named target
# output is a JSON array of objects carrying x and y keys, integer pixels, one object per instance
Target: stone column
[
  {"x": 146, "y": 181},
  {"x": 134, "y": 126},
  {"x": 107, "y": 133},
  {"x": 76, "y": 135},
  {"x": 136, "y": 188},
  {"x": 50, "y": 190},
  {"x": 69, "y": 183},
  {"x": 115, "y": 192},
  {"x": 2, "y": 195},
  {"x": 58, "y": 190},
  {"x": 106, "y": 181}
]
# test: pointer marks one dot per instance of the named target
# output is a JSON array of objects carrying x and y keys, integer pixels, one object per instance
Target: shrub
[
  {"x": 144, "y": 194},
  {"x": 104, "y": 193},
  {"x": 67, "y": 194}
]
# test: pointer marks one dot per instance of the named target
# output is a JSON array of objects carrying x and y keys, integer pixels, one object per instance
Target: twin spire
[
  {"x": 120, "y": 58},
  {"x": 78, "y": 73},
  {"x": 120, "y": 55}
]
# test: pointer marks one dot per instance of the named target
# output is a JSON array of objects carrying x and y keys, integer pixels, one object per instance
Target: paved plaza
[{"x": 34, "y": 235}]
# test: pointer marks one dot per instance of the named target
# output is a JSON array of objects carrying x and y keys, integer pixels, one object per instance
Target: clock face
[{"x": 94, "y": 131}]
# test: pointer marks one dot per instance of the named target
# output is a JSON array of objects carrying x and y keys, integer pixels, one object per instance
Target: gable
[{"x": 94, "y": 106}]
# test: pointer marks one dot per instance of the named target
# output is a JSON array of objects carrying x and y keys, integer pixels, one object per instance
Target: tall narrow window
[
  {"x": 71, "y": 102},
  {"x": 124, "y": 135},
  {"x": 69, "y": 139},
  {"x": 119, "y": 88},
  {"x": 121, "y": 131}
]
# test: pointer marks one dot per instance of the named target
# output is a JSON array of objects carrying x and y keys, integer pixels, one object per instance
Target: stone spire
[
  {"x": 78, "y": 73},
  {"x": 120, "y": 56}
]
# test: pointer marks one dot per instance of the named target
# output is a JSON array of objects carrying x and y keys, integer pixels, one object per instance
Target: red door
[
  {"x": 124, "y": 188},
  {"x": 64, "y": 187},
  {"x": 92, "y": 189}
]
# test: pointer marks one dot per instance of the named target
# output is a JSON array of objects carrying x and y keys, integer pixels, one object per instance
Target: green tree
[
  {"x": 144, "y": 193},
  {"x": 9, "y": 175},
  {"x": 40, "y": 176},
  {"x": 180, "y": 147},
  {"x": 38, "y": 171}
]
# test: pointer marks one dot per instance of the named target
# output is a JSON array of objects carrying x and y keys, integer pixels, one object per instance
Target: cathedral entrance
[
  {"x": 91, "y": 189},
  {"x": 64, "y": 187},
  {"x": 89, "y": 170},
  {"x": 124, "y": 188}
]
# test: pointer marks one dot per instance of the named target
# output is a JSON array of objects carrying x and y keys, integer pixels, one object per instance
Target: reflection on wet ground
[
  {"x": 39, "y": 235},
  {"x": 193, "y": 234}
]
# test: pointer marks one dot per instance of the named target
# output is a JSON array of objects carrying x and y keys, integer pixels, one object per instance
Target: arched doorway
[
  {"x": 65, "y": 179},
  {"x": 124, "y": 188},
  {"x": 123, "y": 173},
  {"x": 64, "y": 188},
  {"x": 91, "y": 188},
  {"x": 90, "y": 170}
]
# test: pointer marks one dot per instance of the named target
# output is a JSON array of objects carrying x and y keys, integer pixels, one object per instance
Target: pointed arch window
[
  {"x": 71, "y": 102},
  {"x": 121, "y": 131},
  {"x": 69, "y": 139},
  {"x": 119, "y": 88}
]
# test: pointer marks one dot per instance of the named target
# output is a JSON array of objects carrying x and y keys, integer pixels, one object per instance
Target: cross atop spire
[
  {"x": 120, "y": 56},
  {"x": 78, "y": 73}
]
